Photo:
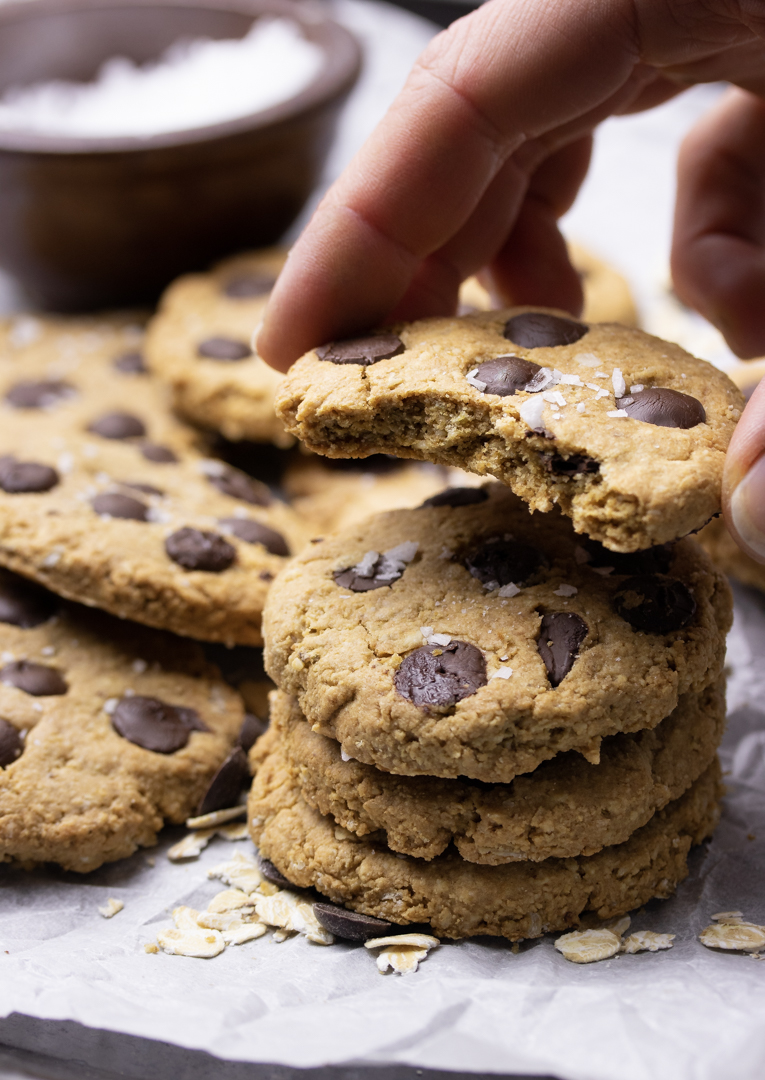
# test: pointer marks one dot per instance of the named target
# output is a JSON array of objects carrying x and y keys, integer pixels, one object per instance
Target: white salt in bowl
[{"x": 94, "y": 220}]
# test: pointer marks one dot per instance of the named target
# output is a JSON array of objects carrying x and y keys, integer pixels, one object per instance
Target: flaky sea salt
[{"x": 193, "y": 84}]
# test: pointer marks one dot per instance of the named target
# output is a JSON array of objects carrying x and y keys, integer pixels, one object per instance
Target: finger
[
  {"x": 744, "y": 479},
  {"x": 504, "y": 75},
  {"x": 718, "y": 248}
]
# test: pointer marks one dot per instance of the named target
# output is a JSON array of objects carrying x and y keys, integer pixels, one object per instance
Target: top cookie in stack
[{"x": 624, "y": 433}]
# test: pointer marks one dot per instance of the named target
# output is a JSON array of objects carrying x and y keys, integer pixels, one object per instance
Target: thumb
[{"x": 744, "y": 479}]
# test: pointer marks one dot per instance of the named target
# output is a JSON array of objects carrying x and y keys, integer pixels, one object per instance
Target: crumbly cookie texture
[
  {"x": 566, "y": 807},
  {"x": 581, "y": 425},
  {"x": 104, "y": 499},
  {"x": 607, "y": 296},
  {"x": 335, "y": 494},
  {"x": 460, "y": 899},
  {"x": 728, "y": 556},
  {"x": 199, "y": 344},
  {"x": 82, "y": 696},
  {"x": 502, "y": 641}
]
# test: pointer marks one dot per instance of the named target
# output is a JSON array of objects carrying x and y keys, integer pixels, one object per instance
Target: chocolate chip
[
  {"x": 376, "y": 570},
  {"x": 162, "y": 455},
  {"x": 228, "y": 782},
  {"x": 506, "y": 374},
  {"x": 438, "y": 676},
  {"x": 247, "y": 286},
  {"x": 350, "y": 925},
  {"x": 239, "y": 485},
  {"x": 663, "y": 407},
  {"x": 560, "y": 635},
  {"x": 536, "y": 330},
  {"x": 653, "y": 560},
  {"x": 499, "y": 562},
  {"x": 252, "y": 728},
  {"x": 573, "y": 465},
  {"x": 655, "y": 604},
  {"x": 120, "y": 506},
  {"x": 362, "y": 350},
  {"x": 23, "y": 603},
  {"x": 38, "y": 395},
  {"x": 196, "y": 549},
  {"x": 130, "y": 363},
  {"x": 35, "y": 679},
  {"x": 266, "y": 575},
  {"x": 252, "y": 532},
  {"x": 118, "y": 425},
  {"x": 270, "y": 873},
  {"x": 155, "y": 725},
  {"x": 457, "y": 496},
  {"x": 22, "y": 477},
  {"x": 11, "y": 744},
  {"x": 146, "y": 489},
  {"x": 224, "y": 348}
]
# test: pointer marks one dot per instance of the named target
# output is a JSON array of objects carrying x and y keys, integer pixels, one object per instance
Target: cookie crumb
[
  {"x": 150, "y": 947},
  {"x": 647, "y": 941},
  {"x": 111, "y": 908}
]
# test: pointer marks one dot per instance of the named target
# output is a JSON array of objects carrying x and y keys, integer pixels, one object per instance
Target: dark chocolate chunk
[
  {"x": 560, "y": 636},
  {"x": 240, "y": 486},
  {"x": 663, "y": 407},
  {"x": 499, "y": 562},
  {"x": 506, "y": 374},
  {"x": 270, "y": 873},
  {"x": 438, "y": 676},
  {"x": 248, "y": 286},
  {"x": 197, "y": 549},
  {"x": 145, "y": 489},
  {"x": 537, "y": 330},
  {"x": 252, "y": 728},
  {"x": 155, "y": 725},
  {"x": 457, "y": 496},
  {"x": 350, "y": 925},
  {"x": 655, "y": 604},
  {"x": 23, "y": 477},
  {"x": 11, "y": 743},
  {"x": 38, "y": 394},
  {"x": 573, "y": 465},
  {"x": 653, "y": 560},
  {"x": 266, "y": 575},
  {"x": 224, "y": 788},
  {"x": 362, "y": 350},
  {"x": 118, "y": 425},
  {"x": 373, "y": 571},
  {"x": 35, "y": 679},
  {"x": 130, "y": 363},
  {"x": 224, "y": 348},
  {"x": 162, "y": 455},
  {"x": 24, "y": 604},
  {"x": 117, "y": 505},
  {"x": 252, "y": 532}
]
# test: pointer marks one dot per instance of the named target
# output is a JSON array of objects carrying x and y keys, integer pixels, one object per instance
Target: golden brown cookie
[
  {"x": 458, "y": 898},
  {"x": 624, "y": 433},
  {"x": 471, "y": 638},
  {"x": 104, "y": 499},
  {"x": 107, "y": 730},
  {"x": 566, "y": 807},
  {"x": 199, "y": 344},
  {"x": 607, "y": 296}
]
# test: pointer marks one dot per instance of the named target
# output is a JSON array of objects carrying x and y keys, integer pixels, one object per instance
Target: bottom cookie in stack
[{"x": 515, "y": 900}]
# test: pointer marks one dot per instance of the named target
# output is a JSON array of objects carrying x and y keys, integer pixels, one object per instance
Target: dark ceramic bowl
[{"x": 94, "y": 222}]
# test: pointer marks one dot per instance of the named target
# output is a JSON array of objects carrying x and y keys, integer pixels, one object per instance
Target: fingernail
[{"x": 747, "y": 508}]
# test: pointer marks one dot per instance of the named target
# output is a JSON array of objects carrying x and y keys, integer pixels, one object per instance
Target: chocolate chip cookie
[
  {"x": 199, "y": 344},
  {"x": 728, "y": 556},
  {"x": 566, "y": 807},
  {"x": 104, "y": 499},
  {"x": 107, "y": 730},
  {"x": 624, "y": 433},
  {"x": 470, "y": 638},
  {"x": 607, "y": 296},
  {"x": 458, "y": 898}
]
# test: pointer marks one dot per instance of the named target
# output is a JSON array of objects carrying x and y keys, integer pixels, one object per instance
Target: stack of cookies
[{"x": 490, "y": 720}]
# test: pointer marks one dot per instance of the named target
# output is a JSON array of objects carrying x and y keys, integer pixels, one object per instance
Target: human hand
[{"x": 486, "y": 147}]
